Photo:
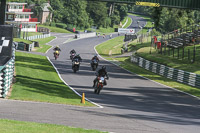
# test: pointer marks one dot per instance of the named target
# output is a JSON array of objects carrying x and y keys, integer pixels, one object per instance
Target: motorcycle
[
  {"x": 56, "y": 54},
  {"x": 72, "y": 56},
  {"x": 75, "y": 65},
  {"x": 99, "y": 85},
  {"x": 94, "y": 64}
]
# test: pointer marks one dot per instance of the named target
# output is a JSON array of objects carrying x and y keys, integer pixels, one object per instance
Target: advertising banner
[{"x": 126, "y": 31}]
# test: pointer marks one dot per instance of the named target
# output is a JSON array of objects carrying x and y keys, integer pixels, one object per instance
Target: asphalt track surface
[{"x": 131, "y": 104}]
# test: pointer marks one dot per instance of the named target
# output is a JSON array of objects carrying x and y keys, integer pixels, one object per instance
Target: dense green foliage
[
  {"x": 169, "y": 19},
  {"x": 82, "y": 14}
]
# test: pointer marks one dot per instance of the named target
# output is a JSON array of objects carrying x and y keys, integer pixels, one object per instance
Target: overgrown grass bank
[
  {"x": 11, "y": 126},
  {"x": 36, "y": 80}
]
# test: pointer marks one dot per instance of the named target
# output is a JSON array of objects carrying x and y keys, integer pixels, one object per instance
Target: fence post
[
  {"x": 188, "y": 54},
  {"x": 194, "y": 54},
  {"x": 178, "y": 53},
  {"x": 183, "y": 53},
  {"x": 169, "y": 51}
]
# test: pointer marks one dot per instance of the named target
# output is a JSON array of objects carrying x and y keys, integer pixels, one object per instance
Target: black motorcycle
[
  {"x": 94, "y": 64},
  {"x": 75, "y": 65}
]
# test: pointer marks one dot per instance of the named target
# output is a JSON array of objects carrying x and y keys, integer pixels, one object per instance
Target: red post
[{"x": 158, "y": 45}]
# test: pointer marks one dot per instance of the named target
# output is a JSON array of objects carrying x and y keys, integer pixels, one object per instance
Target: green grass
[
  {"x": 22, "y": 40},
  {"x": 124, "y": 20},
  {"x": 113, "y": 44},
  {"x": 104, "y": 48},
  {"x": 37, "y": 80},
  {"x": 30, "y": 33},
  {"x": 43, "y": 47},
  {"x": 11, "y": 126},
  {"x": 148, "y": 25},
  {"x": 56, "y": 29},
  {"x": 128, "y": 23},
  {"x": 125, "y": 63},
  {"x": 171, "y": 61},
  {"x": 106, "y": 30},
  {"x": 45, "y": 40}
]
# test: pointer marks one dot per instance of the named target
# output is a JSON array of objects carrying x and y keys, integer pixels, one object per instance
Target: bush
[
  {"x": 53, "y": 24},
  {"x": 46, "y": 24}
]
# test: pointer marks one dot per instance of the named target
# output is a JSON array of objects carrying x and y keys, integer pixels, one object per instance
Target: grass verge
[
  {"x": 37, "y": 80},
  {"x": 22, "y": 40},
  {"x": 111, "y": 47},
  {"x": 11, "y": 126},
  {"x": 174, "y": 62},
  {"x": 128, "y": 23},
  {"x": 43, "y": 47},
  {"x": 103, "y": 49},
  {"x": 124, "y": 20},
  {"x": 148, "y": 25},
  {"x": 56, "y": 29},
  {"x": 30, "y": 34}
]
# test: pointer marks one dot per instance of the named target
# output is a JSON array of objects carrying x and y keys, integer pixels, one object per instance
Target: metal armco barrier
[
  {"x": 181, "y": 76},
  {"x": 6, "y": 75}
]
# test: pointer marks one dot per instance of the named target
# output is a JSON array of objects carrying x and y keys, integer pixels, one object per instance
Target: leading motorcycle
[
  {"x": 99, "y": 85},
  {"x": 56, "y": 54}
]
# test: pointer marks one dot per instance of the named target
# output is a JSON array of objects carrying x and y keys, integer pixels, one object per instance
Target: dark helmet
[
  {"x": 95, "y": 55},
  {"x": 104, "y": 67}
]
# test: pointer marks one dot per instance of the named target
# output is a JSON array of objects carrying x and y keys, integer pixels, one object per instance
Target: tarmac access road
[{"x": 131, "y": 104}]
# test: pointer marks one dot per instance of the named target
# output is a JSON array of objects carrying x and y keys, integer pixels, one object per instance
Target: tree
[
  {"x": 75, "y": 13},
  {"x": 98, "y": 12}
]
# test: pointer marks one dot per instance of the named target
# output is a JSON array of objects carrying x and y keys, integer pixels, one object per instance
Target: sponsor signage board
[{"x": 126, "y": 31}]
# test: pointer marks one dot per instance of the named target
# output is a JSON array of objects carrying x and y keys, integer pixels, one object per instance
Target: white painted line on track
[
  {"x": 70, "y": 86},
  {"x": 145, "y": 77}
]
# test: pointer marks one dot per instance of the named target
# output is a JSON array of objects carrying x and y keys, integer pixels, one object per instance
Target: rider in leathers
[
  {"x": 72, "y": 51},
  {"x": 95, "y": 58}
]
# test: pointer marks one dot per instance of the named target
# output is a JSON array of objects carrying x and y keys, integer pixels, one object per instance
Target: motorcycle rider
[
  {"x": 76, "y": 58},
  {"x": 101, "y": 73},
  {"x": 72, "y": 52},
  {"x": 57, "y": 49},
  {"x": 95, "y": 58}
]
